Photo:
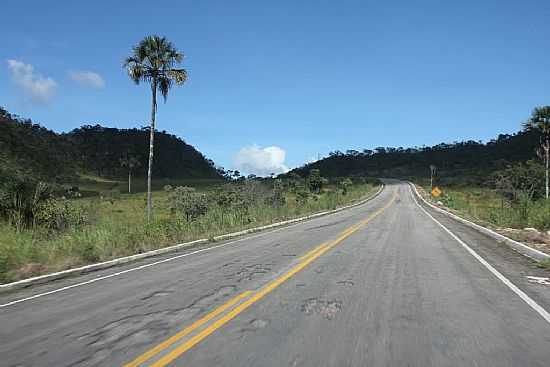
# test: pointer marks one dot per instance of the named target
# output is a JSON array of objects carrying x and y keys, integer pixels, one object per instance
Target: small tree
[
  {"x": 130, "y": 162},
  {"x": 520, "y": 180},
  {"x": 301, "y": 197},
  {"x": 277, "y": 196},
  {"x": 315, "y": 181},
  {"x": 186, "y": 201},
  {"x": 540, "y": 122},
  {"x": 345, "y": 184}
]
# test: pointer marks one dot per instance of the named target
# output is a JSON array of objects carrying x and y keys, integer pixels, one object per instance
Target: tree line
[
  {"x": 31, "y": 151},
  {"x": 466, "y": 162}
]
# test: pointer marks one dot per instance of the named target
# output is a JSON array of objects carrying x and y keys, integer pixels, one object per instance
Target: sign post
[{"x": 433, "y": 171}]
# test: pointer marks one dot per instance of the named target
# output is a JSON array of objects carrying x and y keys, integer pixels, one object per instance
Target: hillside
[
  {"x": 101, "y": 148},
  {"x": 469, "y": 162},
  {"x": 30, "y": 150}
]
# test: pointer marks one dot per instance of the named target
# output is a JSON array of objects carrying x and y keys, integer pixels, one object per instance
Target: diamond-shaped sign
[{"x": 436, "y": 192}]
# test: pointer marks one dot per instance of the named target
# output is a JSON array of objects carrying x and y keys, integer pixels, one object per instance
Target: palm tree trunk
[
  {"x": 151, "y": 146},
  {"x": 546, "y": 158}
]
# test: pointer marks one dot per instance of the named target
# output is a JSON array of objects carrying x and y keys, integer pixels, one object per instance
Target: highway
[{"x": 386, "y": 283}]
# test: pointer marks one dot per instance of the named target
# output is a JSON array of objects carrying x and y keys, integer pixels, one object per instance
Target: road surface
[{"x": 381, "y": 284}]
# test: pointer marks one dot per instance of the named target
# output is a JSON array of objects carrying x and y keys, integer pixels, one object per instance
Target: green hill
[
  {"x": 32, "y": 151},
  {"x": 467, "y": 162}
]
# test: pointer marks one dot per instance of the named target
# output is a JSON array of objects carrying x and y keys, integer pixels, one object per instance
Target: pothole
[
  {"x": 250, "y": 272},
  {"x": 259, "y": 323},
  {"x": 326, "y": 308},
  {"x": 256, "y": 324}
]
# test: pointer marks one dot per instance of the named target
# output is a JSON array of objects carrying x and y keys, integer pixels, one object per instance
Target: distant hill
[
  {"x": 467, "y": 162},
  {"x": 28, "y": 149},
  {"x": 101, "y": 148}
]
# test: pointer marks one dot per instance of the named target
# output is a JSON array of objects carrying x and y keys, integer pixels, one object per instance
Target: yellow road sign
[{"x": 436, "y": 192}]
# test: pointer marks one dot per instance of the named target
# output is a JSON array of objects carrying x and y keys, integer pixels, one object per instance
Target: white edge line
[
  {"x": 534, "y": 305},
  {"x": 516, "y": 245},
  {"x": 124, "y": 272},
  {"x": 123, "y": 260}
]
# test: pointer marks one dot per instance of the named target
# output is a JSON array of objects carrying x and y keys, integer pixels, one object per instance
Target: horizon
[
  {"x": 266, "y": 174},
  {"x": 309, "y": 80}
]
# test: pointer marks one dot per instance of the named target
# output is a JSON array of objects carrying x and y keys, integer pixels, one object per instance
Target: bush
[
  {"x": 345, "y": 184},
  {"x": 59, "y": 215},
  {"x": 301, "y": 197},
  {"x": 186, "y": 201},
  {"x": 19, "y": 201},
  {"x": 315, "y": 181},
  {"x": 277, "y": 196}
]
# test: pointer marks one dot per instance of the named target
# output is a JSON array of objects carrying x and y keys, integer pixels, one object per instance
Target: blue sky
[{"x": 306, "y": 77}]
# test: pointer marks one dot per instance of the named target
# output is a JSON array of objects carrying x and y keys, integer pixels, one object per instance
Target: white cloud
[
  {"x": 38, "y": 88},
  {"x": 87, "y": 78},
  {"x": 261, "y": 161}
]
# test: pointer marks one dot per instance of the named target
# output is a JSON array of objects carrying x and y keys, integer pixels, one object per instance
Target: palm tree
[
  {"x": 130, "y": 162},
  {"x": 153, "y": 61},
  {"x": 540, "y": 121}
]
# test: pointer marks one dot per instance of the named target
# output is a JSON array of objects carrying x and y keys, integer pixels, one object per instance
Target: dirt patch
[
  {"x": 30, "y": 270},
  {"x": 531, "y": 237}
]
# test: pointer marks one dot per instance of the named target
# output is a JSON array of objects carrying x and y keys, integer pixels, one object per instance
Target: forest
[
  {"x": 31, "y": 151},
  {"x": 468, "y": 162}
]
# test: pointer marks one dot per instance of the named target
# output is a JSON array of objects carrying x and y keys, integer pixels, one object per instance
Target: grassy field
[
  {"x": 487, "y": 206},
  {"x": 93, "y": 185},
  {"x": 525, "y": 220},
  {"x": 116, "y": 226}
]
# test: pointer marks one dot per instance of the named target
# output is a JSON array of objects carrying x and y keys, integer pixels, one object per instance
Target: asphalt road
[{"x": 381, "y": 284}]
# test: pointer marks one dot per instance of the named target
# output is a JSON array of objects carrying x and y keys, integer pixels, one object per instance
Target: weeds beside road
[
  {"x": 526, "y": 221},
  {"x": 115, "y": 225}
]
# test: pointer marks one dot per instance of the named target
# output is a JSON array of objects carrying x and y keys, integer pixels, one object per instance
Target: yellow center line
[
  {"x": 311, "y": 252},
  {"x": 305, "y": 260},
  {"x": 165, "y": 344}
]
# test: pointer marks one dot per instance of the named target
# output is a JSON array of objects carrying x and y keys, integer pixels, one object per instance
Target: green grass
[
  {"x": 544, "y": 264},
  {"x": 118, "y": 227},
  {"x": 488, "y": 207},
  {"x": 93, "y": 185}
]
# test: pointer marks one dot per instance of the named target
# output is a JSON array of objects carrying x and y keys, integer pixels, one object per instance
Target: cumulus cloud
[
  {"x": 36, "y": 87},
  {"x": 261, "y": 161},
  {"x": 87, "y": 78}
]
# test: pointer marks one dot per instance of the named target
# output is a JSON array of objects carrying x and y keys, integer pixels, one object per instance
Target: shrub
[
  {"x": 277, "y": 195},
  {"x": 315, "y": 181},
  {"x": 302, "y": 196},
  {"x": 186, "y": 201},
  {"x": 345, "y": 184},
  {"x": 59, "y": 215},
  {"x": 19, "y": 200}
]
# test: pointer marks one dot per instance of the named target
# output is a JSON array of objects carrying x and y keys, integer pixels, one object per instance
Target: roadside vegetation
[
  {"x": 43, "y": 229},
  {"x": 513, "y": 200}
]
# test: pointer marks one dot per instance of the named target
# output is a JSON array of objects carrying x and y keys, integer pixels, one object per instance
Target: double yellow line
[{"x": 241, "y": 303}]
